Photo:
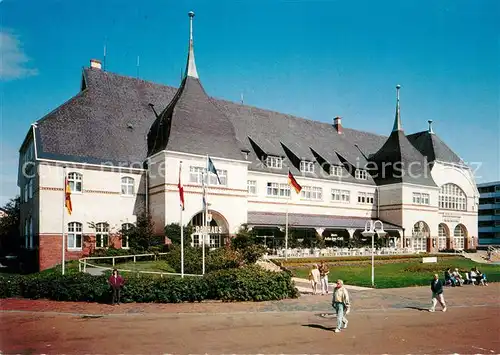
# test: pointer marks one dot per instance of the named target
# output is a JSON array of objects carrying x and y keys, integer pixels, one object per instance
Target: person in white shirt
[{"x": 314, "y": 277}]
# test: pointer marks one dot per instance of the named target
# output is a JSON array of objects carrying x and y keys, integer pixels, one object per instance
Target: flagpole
[
  {"x": 286, "y": 226},
  {"x": 182, "y": 227},
  {"x": 63, "y": 221},
  {"x": 205, "y": 235}
]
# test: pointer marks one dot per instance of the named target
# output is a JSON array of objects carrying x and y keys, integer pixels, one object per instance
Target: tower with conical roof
[{"x": 191, "y": 123}]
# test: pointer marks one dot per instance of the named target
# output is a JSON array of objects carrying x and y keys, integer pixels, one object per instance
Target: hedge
[{"x": 250, "y": 283}]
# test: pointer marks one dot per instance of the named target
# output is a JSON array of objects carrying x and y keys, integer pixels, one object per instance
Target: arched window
[
  {"x": 459, "y": 235},
  {"x": 420, "y": 233},
  {"x": 127, "y": 186},
  {"x": 125, "y": 228},
  {"x": 101, "y": 235},
  {"x": 442, "y": 236},
  {"x": 452, "y": 197},
  {"x": 75, "y": 235},
  {"x": 75, "y": 182}
]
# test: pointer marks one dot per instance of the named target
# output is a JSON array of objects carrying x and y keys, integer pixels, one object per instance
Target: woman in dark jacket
[
  {"x": 116, "y": 282},
  {"x": 437, "y": 293}
]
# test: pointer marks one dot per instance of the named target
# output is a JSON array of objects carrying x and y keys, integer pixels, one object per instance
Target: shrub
[{"x": 243, "y": 284}]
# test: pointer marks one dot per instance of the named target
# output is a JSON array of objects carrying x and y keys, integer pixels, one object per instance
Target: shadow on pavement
[
  {"x": 418, "y": 308},
  {"x": 318, "y": 326}
]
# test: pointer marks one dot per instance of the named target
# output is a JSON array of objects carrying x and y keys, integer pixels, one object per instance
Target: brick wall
[{"x": 50, "y": 249}]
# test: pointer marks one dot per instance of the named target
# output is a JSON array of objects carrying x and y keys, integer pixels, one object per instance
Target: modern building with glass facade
[{"x": 489, "y": 213}]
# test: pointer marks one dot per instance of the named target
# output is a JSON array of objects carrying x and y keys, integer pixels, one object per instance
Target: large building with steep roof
[{"x": 121, "y": 142}]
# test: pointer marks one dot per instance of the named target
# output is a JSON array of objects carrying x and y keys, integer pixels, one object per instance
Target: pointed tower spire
[
  {"x": 191, "y": 65},
  {"x": 397, "y": 119}
]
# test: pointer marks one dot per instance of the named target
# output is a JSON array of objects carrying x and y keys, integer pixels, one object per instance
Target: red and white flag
[{"x": 181, "y": 188}]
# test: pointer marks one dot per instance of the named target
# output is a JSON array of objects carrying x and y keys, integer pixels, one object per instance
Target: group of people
[
  {"x": 474, "y": 276},
  {"x": 319, "y": 275}
]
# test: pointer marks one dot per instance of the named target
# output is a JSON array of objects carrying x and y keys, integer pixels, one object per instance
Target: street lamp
[{"x": 370, "y": 231}]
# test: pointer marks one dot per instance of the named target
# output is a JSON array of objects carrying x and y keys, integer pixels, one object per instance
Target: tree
[
  {"x": 173, "y": 232},
  {"x": 141, "y": 236},
  {"x": 10, "y": 226}
]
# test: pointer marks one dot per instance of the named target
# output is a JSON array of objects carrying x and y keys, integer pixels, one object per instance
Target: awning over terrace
[{"x": 271, "y": 219}]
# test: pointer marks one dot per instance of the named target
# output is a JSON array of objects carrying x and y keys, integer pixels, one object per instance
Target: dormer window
[
  {"x": 361, "y": 174},
  {"x": 274, "y": 162},
  {"x": 306, "y": 166},
  {"x": 335, "y": 170}
]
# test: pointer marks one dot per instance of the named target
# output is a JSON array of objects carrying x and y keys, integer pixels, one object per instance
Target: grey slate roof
[
  {"x": 191, "y": 123},
  {"x": 433, "y": 147},
  {"x": 109, "y": 121},
  {"x": 399, "y": 161},
  {"x": 265, "y": 219}
]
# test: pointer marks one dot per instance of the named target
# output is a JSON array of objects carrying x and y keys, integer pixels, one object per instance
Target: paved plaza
[{"x": 382, "y": 321}]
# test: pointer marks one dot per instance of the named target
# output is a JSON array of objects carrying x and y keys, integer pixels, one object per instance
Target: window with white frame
[
  {"x": 459, "y": 235},
  {"x": 128, "y": 186},
  {"x": 214, "y": 240},
  {"x": 278, "y": 190},
  {"x": 421, "y": 198},
  {"x": 222, "y": 176},
  {"x": 196, "y": 240},
  {"x": 312, "y": 193},
  {"x": 452, "y": 197},
  {"x": 307, "y": 166},
  {"x": 442, "y": 236},
  {"x": 75, "y": 235},
  {"x": 126, "y": 227},
  {"x": 335, "y": 170},
  {"x": 341, "y": 196},
  {"x": 101, "y": 235},
  {"x": 361, "y": 174},
  {"x": 366, "y": 197},
  {"x": 420, "y": 233},
  {"x": 252, "y": 187},
  {"x": 196, "y": 174},
  {"x": 75, "y": 182},
  {"x": 274, "y": 162}
]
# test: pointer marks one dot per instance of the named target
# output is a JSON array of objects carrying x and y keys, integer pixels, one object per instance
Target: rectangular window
[
  {"x": 341, "y": 196},
  {"x": 361, "y": 174},
  {"x": 222, "y": 176},
  {"x": 74, "y": 235},
  {"x": 252, "y": 187},
  {"x": 306, "y": 166},
  {"x": 101, "y": 235},
  {"x": 312, "y": 193},
  {"x": 214, "y": 241},
  {"x": 196, "y": 240},
  {"x": 366, "y": 197},
  {"x": 274, "y": 162},
  {"x": 196, "y": 174},
  {"x": 278, "y": 190},
  {"x": 335, "y": 170},
  {"x": 421, "y": 198}
]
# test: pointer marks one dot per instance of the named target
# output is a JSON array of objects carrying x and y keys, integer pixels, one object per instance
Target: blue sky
[{"x": 315, "y": 59}]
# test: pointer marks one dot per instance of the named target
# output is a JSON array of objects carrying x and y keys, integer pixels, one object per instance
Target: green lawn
[{"x": 408, "y": 273}]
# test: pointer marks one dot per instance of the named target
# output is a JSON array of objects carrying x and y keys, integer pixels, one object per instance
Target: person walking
[
  {"x": 116, "y": 282},
  {"x": 341, "y": 304},
  {"x": 437, "y": 294},
  {"x": 323, "y": 272},
  {"x": 314, "y": 277}
]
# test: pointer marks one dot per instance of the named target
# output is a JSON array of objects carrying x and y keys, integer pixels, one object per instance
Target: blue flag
[{"x": 211, "y": 168}]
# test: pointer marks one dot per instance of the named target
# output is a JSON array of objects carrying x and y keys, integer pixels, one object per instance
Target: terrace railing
[{"x": 83, "y": 263}]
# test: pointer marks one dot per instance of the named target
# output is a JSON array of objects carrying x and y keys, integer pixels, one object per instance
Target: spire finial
[
  {"x": 191, "y": 65},
  {"x": 397, "y": 119},
  {"x": 430, "y": 126}
]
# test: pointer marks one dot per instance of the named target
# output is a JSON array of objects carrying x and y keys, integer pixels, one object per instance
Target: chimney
[
  {"x": 94, "y": 63},
  {"x": 337, "y": 123},
  {"x": 430, "y": 126}
]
